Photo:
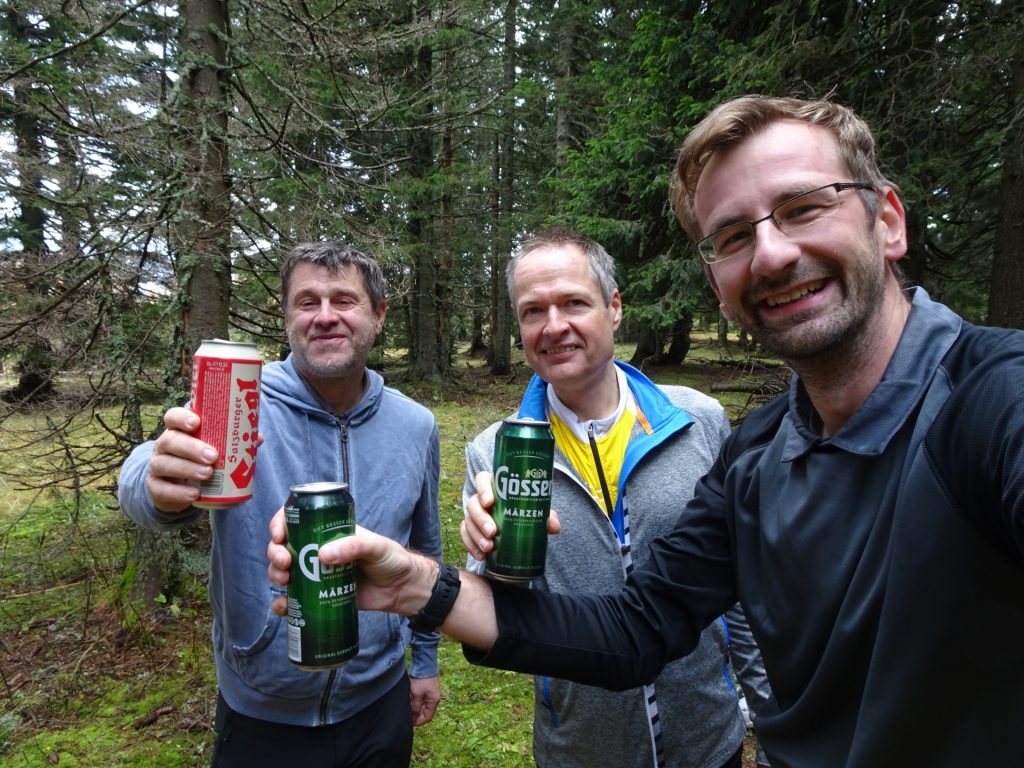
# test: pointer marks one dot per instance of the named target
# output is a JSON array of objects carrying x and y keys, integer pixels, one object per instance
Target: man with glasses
[
  {"x": 870, "y": 521},
  {"x": 790, "y": 216}
]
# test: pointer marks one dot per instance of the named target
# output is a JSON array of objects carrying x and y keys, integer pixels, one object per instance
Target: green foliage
[
  {"x": 484, "y": 713},
  {"x": 934, "y": 84},
  {"x": 616, "y": 184},
  {"x": 332, "y": 133},
  {"x": 667, "y": 290}
]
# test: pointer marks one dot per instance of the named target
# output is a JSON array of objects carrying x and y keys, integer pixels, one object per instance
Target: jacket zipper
[
  {"x": 343, "y": 426},
  {"x": 650, "y": 697},
  {"x": 326, "y": 697},
  {"x": 592, "y": 439},
  {"x": 600, "y": 470}
]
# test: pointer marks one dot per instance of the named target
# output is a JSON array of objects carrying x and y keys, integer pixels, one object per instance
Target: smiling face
[
  {"x": 331, "y": 326},
  {"x": 815, "y": 291},
  {"x": 568, "y": 331}
]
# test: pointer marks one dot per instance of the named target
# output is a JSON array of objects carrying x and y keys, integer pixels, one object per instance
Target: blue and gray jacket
[{"x": 583, "y": 726}]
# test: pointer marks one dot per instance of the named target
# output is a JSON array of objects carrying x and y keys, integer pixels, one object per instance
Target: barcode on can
[
  {"x": 214, "y": 486},
  {"x": 294, "y": 643}
]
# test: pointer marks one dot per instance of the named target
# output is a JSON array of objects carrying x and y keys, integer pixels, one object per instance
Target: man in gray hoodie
[
  {"x": 628, "y": 454},
  {"x": 325, "y": 417}
]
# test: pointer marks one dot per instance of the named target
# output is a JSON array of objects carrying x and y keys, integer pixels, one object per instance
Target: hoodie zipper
[
  {"x": 592, "y": 439},
  {"x": 343, "y": 426},
  {"x": 343, "y": 439}
]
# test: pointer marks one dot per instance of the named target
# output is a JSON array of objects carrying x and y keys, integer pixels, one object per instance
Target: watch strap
[{"x": 442, "y": 598}]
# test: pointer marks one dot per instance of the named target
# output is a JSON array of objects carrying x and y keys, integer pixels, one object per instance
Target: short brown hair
[
  {"x": 734, "y": 121},
  {"x": 335, "y": 254}
]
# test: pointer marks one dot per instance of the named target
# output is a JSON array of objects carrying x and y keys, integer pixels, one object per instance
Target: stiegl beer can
[
  {"x": 524, "y": 454},
  {"x": 323, "y": 623},
  {"x": 226, "y": 396}
]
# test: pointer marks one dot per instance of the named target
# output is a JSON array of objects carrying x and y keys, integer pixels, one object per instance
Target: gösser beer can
[
  {"x": 323, "y": 624},
  {"x": 226, "y": 395},
  {"x": 524, "y": 454}
]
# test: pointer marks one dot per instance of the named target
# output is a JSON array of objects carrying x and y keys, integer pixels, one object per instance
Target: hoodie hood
[{"x": 283, "y": 382}]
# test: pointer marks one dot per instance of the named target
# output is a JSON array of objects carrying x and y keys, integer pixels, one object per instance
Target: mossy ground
[{"x": 88, "y": 680}]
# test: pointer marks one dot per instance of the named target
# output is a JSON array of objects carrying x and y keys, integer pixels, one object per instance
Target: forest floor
[{"x": 87, "y": 681}]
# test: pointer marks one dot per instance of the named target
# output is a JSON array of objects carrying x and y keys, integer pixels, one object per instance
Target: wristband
[{"x": 442, "y": 598}]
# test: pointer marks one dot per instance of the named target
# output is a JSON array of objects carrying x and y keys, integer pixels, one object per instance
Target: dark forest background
[{"x": 158, "y": 159}]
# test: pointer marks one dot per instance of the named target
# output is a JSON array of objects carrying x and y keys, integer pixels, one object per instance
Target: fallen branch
[
  {"x": 153, "y": 716},
  {"x": 756, "y": 388}
]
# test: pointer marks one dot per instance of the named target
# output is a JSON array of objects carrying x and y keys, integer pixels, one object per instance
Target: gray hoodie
[{"x": 387, "y": 449}]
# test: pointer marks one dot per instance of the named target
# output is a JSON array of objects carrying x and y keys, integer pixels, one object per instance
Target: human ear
[
  {"x": 718, "y": 294},
  {"x": 893, "y": 221}
]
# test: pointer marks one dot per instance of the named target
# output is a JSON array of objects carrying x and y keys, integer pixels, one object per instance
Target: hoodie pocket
[{"x": 264, "y": 666}]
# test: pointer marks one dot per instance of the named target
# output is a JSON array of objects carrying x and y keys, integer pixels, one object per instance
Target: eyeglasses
[{"x": 796, "y": 213}]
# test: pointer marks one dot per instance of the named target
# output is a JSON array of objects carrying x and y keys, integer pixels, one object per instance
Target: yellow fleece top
[{"x": 611, "y": 434}]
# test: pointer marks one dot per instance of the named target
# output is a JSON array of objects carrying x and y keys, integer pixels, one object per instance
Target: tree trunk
[
  {"x": 501, "y": 317},
  {"x": 446, "y": 249},
  {"x": 744, "y": 339},
  {"x": 200, "y": 238},
  {"x": 679, "y": 346},
  {"x": 913, "y": 265},
  {"x": 1006, "y": 307},
  {"x": 37, "y": 365},
  {"x": 427, "y": 360},
  {"x": 477, "y": 344},
  {"x": 648, "y": 347},
  {"x": 568, "y": 22}
]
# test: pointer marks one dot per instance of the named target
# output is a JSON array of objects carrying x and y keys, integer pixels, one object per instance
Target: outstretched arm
[
  {"x": 394, "y": 579},
  {"x": 618, "y": 640}
]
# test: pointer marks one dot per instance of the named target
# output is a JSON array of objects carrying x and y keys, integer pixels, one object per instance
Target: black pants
[
  {"x": 378, "y": 737},
  {"x": 736, "y": 760}
]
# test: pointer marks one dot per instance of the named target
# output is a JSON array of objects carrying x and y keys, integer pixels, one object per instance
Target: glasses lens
[
  {"x": 796, "y": 213},
  {"x": 728, "y": 242},
  {"x": 807, "y": 208}
]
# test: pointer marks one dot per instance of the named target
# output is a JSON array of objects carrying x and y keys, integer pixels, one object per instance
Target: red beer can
[{"x": 226, "y": 396}]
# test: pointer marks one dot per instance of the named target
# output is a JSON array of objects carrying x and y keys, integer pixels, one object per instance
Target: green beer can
[
  {"x": 524, "y": 455},
  {"x": 323, "y": 623}
]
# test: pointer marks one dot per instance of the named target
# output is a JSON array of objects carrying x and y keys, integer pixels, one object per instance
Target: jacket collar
[
  {"x": 665, "y": 419},
  {"x": 656, "y": 407},
  {"x": 928, "y": 335}
]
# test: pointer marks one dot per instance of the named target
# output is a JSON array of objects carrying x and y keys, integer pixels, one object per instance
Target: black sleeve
[
  {"x": 622, "y": 640},
  {"x": 976, "y": 448}
]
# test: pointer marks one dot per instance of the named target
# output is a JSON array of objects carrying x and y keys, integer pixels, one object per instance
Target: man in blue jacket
[
  {"x": 325, "y": 417},
  {"x": 628, "y": 453},
  {"x": 870, "y": 521}
]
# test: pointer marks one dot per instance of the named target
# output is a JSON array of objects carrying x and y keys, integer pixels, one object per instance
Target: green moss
[
  {"x": 484, "y": 719},
  {"x": 83, "y": 673}
]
